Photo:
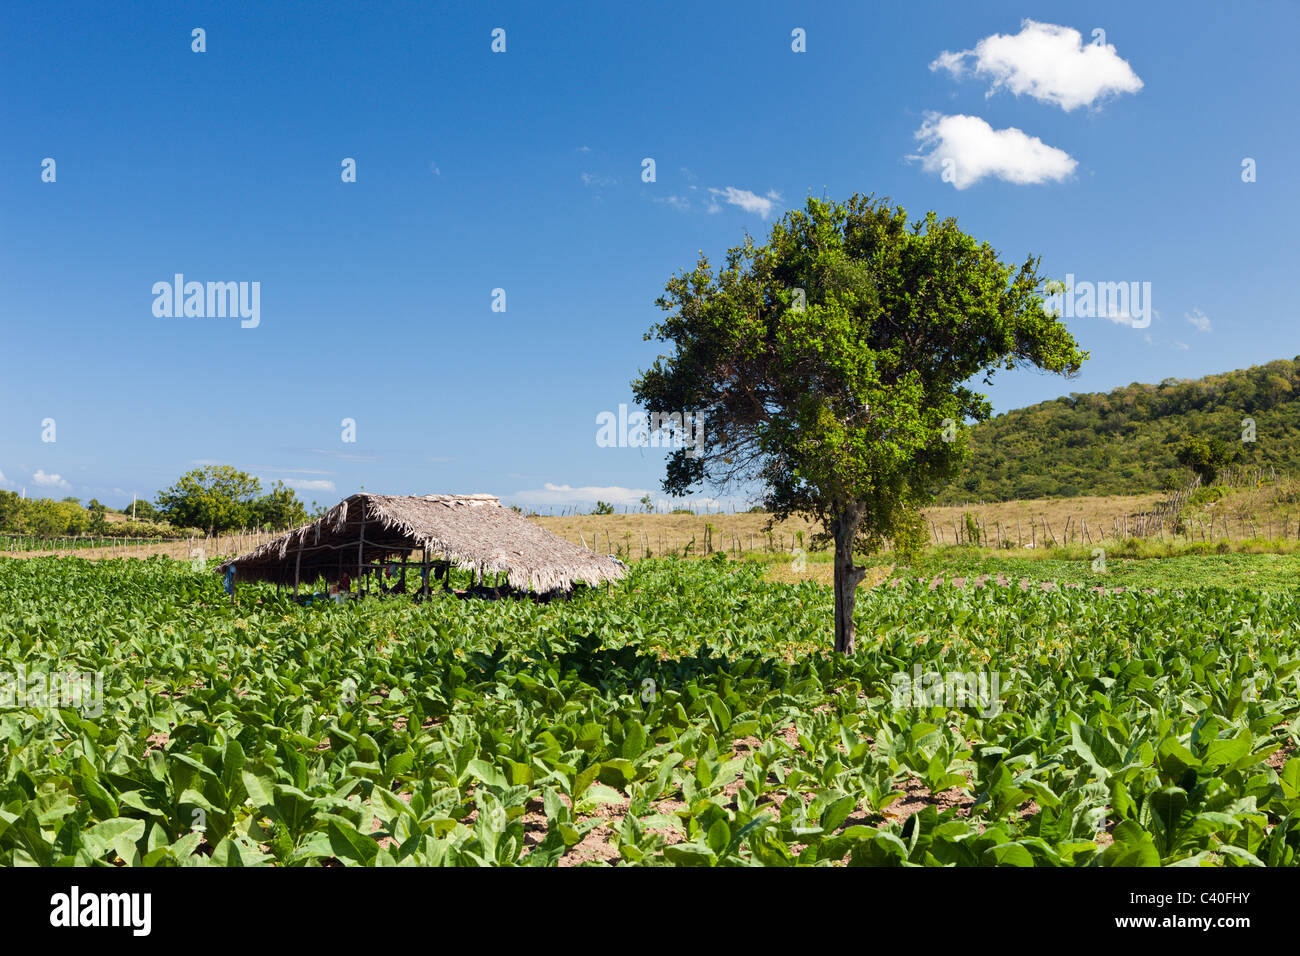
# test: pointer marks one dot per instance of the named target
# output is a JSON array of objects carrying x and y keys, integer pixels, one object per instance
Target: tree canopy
[
  {"x": 1204, "y": 456},
  {"x": 831, "y": 366},
  {"x": 221, "y": 498}
]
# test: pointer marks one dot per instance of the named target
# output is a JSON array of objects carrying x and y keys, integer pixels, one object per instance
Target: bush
[{"x": 1205, "y": 496}]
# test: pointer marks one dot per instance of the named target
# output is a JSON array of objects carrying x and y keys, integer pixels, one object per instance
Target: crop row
[{"x": 689, "y": 716}]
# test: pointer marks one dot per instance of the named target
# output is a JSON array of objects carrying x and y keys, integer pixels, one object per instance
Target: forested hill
[{"x": 1122, "y": 442}]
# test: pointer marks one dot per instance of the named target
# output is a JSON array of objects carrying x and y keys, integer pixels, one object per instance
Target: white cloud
[
  {"x": 552, "y": 494},
  {"x": 341, "y": 455},
  {"x": 50, "y": 481},
  {"x": 1051, "y": 63},
  {"x": 308, "y": 484},
  {"x": 3, "y": 479},
  {"x": 1199, "y": 320},
  {"x": 296, "y": 471},
  {"x": 591, "y": 179},
  {"x": 677, "y": 202},
  {"x": 433, "y": 168},
  {"x": 965, "y": 149},
  {"x": 746, "y": 200}
]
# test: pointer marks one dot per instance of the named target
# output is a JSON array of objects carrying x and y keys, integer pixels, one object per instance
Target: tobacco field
[{"x": 691, "y": 715}]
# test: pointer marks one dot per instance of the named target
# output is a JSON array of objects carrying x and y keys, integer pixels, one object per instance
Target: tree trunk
[{"x": 847, "y": 577}]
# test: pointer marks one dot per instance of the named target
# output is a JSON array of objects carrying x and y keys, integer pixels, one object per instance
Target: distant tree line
[{"x": 212, "y": 499}]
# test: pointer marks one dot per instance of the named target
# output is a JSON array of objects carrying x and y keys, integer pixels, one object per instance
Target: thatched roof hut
[{"x": 471, "y": 532}]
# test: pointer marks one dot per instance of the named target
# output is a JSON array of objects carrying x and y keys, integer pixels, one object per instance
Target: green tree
[
  {"x": 279, "y": 508},
  {"x": 1203, "y": 456},
  {"x": 11, "y": 512},
  {"x": 98, "y": 524},
  {"x": 47, "y": 517},
  {"x": 826, "y": 363},
  {"x": 603, "y": 508},
  {"x": 144, "y": 510},
  {"x": 215, "y": 497}
]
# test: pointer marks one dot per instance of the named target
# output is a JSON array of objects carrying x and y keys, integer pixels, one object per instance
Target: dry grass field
[
  {"x": 642, "y": 535},
  {"x": 1269, "y": 513}
]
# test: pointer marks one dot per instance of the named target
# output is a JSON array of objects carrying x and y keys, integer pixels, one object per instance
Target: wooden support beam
[
  {"x": 361, "y": 541},
  {"x": 297, "y": 566}
]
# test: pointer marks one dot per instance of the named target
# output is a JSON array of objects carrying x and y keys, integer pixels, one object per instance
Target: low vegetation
[
  {"x": 1128, "y": 441},
  {"x": 692, "y": 715}
]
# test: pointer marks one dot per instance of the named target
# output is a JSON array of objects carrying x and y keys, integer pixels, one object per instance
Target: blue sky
[{"x": 522, "y": 171}]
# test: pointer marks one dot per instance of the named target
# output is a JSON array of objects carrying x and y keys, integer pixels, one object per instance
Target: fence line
[{"x": 100, "y": 546}]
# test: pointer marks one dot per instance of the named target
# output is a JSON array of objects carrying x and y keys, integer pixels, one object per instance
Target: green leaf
[
  {"x": 689, "y": 854},
  {"x": 350, "y": 846}
]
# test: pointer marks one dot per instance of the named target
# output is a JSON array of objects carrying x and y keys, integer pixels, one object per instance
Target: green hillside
[{"x": 1122, "y": 442}]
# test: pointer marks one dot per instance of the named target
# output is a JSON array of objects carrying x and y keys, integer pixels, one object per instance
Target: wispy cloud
[
  {"x": 552, "y": 494},
  {"x": 308, "y": 484},
  {"x": 342, "y": 455},
  {"x": 691, "y": 200},
  {"x": 965, "y": 149},
  {"x": 1048, "y": 62},
  {"x": 746, "y": 200},
  {"x": 1198, "y": 320},
  {"x": 294, "y": 471},
  {"x": 677, "y": 202}
]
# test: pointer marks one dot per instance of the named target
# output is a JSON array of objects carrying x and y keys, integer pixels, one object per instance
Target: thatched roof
[{"x": 473, "y": 532}]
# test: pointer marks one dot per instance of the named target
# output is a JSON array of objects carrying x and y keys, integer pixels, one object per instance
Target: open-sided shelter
[{"x": 470, "y": 532}]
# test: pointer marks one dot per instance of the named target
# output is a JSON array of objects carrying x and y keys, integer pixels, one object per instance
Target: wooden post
[
  {"x": 361, "y": 541},
  {"x": 297, "y": 565}
]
